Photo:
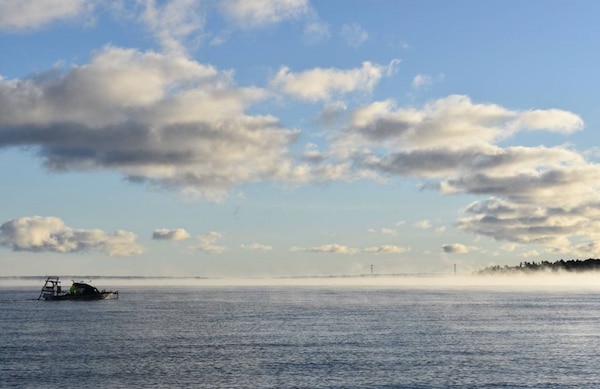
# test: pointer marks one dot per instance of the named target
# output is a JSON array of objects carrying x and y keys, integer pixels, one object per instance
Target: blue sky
[{"x": 285, "y": 138}]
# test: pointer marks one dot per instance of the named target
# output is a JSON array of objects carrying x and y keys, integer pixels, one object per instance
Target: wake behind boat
[{"x": 52, "y": 290}]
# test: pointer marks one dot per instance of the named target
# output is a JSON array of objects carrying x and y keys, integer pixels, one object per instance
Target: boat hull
[{"x": 101, "y": 296}]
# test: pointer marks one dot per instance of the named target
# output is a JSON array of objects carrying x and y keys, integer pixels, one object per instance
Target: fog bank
[{"x": 553, "y": 281}]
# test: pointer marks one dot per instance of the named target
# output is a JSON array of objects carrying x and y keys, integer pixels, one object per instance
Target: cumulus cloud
[
  {"x": 354, "y": 35},
  {"x": 555, "y": 120},
  {"x": 260, "y": 13},
  {"x": 170, "y": 234},
  {"x": 156, "y": 118},
  {"x": 457, "y": 248},
  {"x": 207, "y": 243},
  {"x": 453, "y": 123},
  {"x": 387, "y": 249},
  {"x": 50, "y": 234},
  {"x": 554, "y": 206},
  {"x": 19, "y": 15},
  {"x": 323, "y": 84},
  {"x": 256, "y": 247},
  {"x": 531, "y": 223},
  {"x": 327, "y": 248}
]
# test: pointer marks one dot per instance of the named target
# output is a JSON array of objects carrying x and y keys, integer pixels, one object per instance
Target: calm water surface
[{"x": 302, "y": 337}]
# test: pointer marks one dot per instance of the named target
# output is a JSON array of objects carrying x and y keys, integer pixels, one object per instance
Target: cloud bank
[
  {"x": 343, "y": 249},
  {"x": 50, "y": 234},
  {"x": 535, "y": 195}
]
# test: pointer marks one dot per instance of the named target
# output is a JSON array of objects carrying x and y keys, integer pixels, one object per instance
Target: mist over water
[{"x": 538, "y": 281}]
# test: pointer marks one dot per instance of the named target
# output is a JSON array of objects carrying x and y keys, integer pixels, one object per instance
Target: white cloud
[
  {"x": 531, "y": 254},
  {"x": 383, "y": 231},
  {"x": 555, "y": 226},
  {"x": 173, "y": 22},
  {"x": 256, "y": 247},
  {"x": 260, "y": 13},
  {"x": 50, "y": 234},
  {"x": 22, "y": 15},
  {"x": 170, "y": 234},
  {"x": 328, "y": 248},
  {"x": 332, "y": 113},
  {"x": 457, "y": 248},
  {"x": 555, "y": 120},
  {"x": 176, "y": 24},
  {"x": 509, "y": 247},
  {"x": 354, "y": 34},
  {"x": 206, "y": 243},
  {"x": 424, "y": 80},
  {"x": 421, "y": 80},
  {"x": 423, "y": 224},
  {"x": 323, "y": 84},
  {"x": 453, "y": 123},
  {"x": 592, "y": 153},
  {"x": 312, "y": 153},
  {"x": 387, "y": 249},
  {"x": 160, "y": 119},
  {"x": 315, "y": 31}
]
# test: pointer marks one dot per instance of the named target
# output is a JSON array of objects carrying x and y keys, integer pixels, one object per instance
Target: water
[{"x": 302, "y": 337}]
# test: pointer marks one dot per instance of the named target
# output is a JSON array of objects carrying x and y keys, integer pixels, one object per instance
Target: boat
[{"x": 52, "y": 290}]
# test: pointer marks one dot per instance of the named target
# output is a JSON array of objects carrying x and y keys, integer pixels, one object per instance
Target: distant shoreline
[{"x": 570, "y": 266}]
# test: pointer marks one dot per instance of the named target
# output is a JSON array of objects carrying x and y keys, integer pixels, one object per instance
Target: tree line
[{"x": 572, "y": 265}]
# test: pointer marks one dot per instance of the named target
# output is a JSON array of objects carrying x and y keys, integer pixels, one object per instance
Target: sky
[{"x": 274, "y": 138}]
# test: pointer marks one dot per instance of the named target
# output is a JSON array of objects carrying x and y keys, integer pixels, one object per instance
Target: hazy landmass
[{"x": 573, "y": 265}]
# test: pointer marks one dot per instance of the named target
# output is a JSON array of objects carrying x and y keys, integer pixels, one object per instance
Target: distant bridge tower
[{"x": 372, "y": 266}]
